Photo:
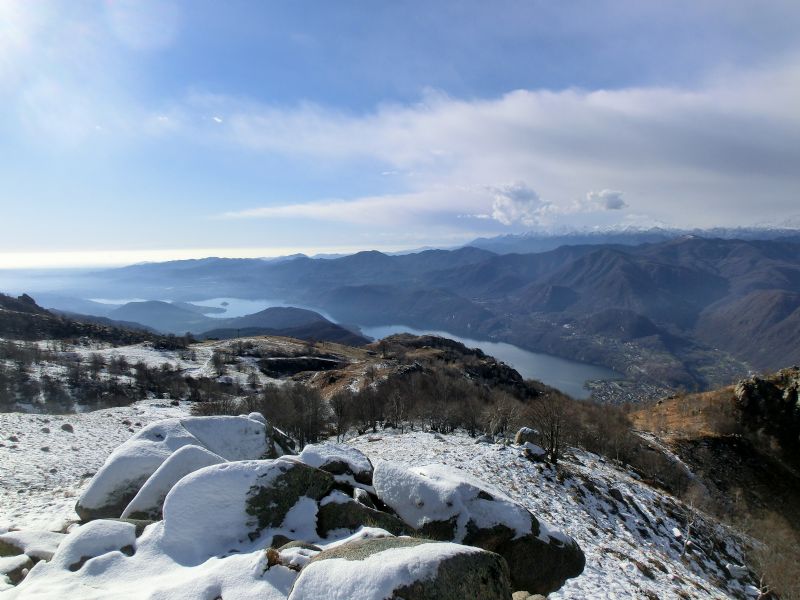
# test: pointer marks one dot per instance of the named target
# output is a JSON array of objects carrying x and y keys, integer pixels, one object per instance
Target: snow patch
[
  {"x": 374, "y": 577},
  {"x": 185, "y": 460},
  {"x": 436, "y": 492}
]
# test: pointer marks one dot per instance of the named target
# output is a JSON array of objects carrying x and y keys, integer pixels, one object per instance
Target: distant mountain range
[
  {"x": 542, "y": 241},
  {"x": 687, "y": 312},
  {"x": 23, "y": 318},
  {"x": 182, "y": 317}
]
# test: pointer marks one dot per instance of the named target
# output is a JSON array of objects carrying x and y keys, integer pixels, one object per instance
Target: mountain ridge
[{"x": 691, "y": 288}]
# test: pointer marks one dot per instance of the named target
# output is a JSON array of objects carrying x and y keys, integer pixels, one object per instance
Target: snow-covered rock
[
  {"x": 131, "y": 464},
  {"x": 407, "y": 568},
  {"x": 449, "y": 504},
  {"x": 94, "y": 539},
  {"x": 13, "y": 568},
  {"x": 224, "y": 506},
  {"x": 344, "y": 513},
  {"x": 443, "y": 503},
  {"x": 526, "y": 434},
  {"x": 36, "y": 544},
  {"x": 338, "y": 460},
  {"x": 149, "y": 500},
  {"x": 533, "y": 451}
]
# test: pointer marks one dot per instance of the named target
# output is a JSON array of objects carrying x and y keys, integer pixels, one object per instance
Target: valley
[{"x": 654, "y": 313}]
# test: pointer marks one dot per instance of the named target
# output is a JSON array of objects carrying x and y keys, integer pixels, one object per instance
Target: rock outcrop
[
  {"x": 339, "y": 460},
  {"x": 443, "y": 504},
  {"x": 526, "y": 434},
  {"x": 772, "y": 405},
  {"x": 207, "y": 505},
  {"x": 403, "y": 568},
  {"x": 149, "y": 499},
  {"x": 243, "y": 499},
  {"x": 129, "y": 467}
]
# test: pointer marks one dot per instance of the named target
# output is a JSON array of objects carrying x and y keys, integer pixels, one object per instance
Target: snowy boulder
[
  {"x": 443, "y": 503},
  {"x": 13, "y": 568},
  {"x": 36, "y": 544},
  {"x": 149, "y": 500},
  {"x": 340, "y": 512},
  {"x": 407, "y": 568},
  {"x": 526, "y": 434},
  {"x": 92, "y": 540},
  {"x": 541, "y": 562},
  {"x": 534, "y": 452},
  {"x": 447, "y": 504},
  {"x": 278, "y": 443},
  {"x": 338, "y": 460},
  {"x": 131, "y": 464},
  {"x": 231, "y": 504}
]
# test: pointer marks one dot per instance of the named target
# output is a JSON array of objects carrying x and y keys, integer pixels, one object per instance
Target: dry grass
[{"x": 707, "y": 414}]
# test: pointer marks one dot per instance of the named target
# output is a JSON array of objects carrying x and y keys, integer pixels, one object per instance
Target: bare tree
[
  {"x": 218, "y": 362},
  {"x": 341, "y": 406},
  {"x": 398, "y": 407},
  {"x": 501, "y": 413},
  {"x": 547, "y": 413}
]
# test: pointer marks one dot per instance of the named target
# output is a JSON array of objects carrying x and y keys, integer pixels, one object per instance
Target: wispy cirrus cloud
[{"x": 388, "y": 210}]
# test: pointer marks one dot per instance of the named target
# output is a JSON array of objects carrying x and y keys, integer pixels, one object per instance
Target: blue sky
[{"x": 147, "y": 130}]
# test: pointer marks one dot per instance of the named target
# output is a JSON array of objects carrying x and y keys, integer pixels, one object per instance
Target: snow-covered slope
[
  {"x": 45, "y": 460},
  {"x": 633, "y": 536}
]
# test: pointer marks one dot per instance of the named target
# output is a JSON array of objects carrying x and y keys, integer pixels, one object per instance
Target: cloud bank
[{"x": 686, "y": 156}]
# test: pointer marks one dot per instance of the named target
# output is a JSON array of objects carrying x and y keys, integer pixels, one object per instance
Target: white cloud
[
  {"x": 518, "y": 203},
  {"x": 603, "y": 200},
  {"x": 389, "y": 210},
  {"x": 689, "y": 156}
]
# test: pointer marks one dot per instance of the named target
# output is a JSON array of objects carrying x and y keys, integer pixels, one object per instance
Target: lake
[{"x": 569, "y": 376}]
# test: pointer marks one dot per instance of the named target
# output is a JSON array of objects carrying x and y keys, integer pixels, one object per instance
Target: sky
[{"x": 140, "y": 130}]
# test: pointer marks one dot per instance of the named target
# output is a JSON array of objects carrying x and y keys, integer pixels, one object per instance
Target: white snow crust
[
  {"x": 38, "y": 544},
  {"x": 185, "y": 460},
  {"x": 438, "y": 493},
  {"x": 233, "y": 438},
  {"x": 214, "y": 495},
  {"x": 319, "y": 455},
  {"x": 94, "y": 539},
  {"x": 375, "y": 577}
]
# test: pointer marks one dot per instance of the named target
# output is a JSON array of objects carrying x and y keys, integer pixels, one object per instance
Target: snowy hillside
[
  {"x": 46, "y": 459},
  {"x": 633, "y": 536}
]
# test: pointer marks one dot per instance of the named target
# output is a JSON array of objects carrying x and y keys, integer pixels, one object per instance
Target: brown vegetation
[
  {"x": 740, "y": 441},
  {"x": 712, "y": 413}
]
